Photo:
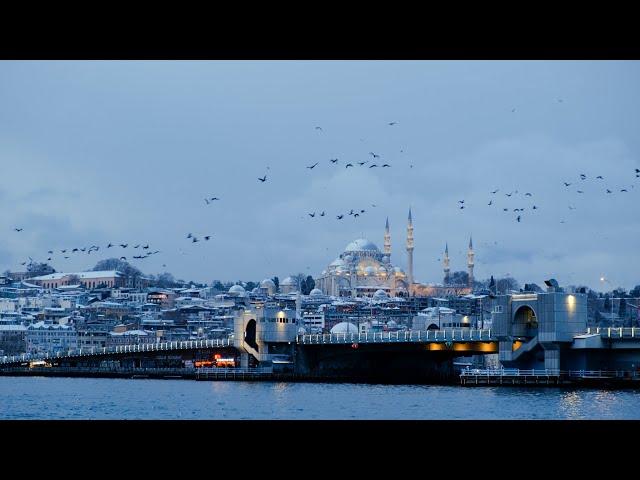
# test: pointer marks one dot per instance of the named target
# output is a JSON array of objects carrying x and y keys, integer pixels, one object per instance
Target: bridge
[{"x": 418, "y": 336}]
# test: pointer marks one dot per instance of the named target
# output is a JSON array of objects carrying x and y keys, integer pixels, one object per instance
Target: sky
[{"x": 93, "y": 152}]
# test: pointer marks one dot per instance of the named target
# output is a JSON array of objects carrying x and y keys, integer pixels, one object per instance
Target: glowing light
[{"x": 571, "y": 303}]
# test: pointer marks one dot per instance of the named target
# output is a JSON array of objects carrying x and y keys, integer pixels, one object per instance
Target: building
[
  {"x": 105, "y": 278},
  {"x": 51, "y": 338},
  {"x": 13, "y": 339}
]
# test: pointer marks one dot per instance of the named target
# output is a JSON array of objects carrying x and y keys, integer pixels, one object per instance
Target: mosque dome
[
  {"x": 380, "y": 294},
  {"x": 370, "y": 270},
  {"x": 267, "y": 283},
  {"x": 237, "y": 290},
  {"x": 315, "y": 292},
  {"x": 344, "y": 327},
  {"x": 287, "y": 282},
  {"x": 348, "y": 258},
  {"x": 381, "y": 269},
  {"x": 361, "y": 244},
  {"x": 337, "y": 263}
]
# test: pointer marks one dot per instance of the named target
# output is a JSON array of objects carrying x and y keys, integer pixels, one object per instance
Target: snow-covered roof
[
  {"x": 81, "y": 275},
  {"x": 12, "y": 328}
]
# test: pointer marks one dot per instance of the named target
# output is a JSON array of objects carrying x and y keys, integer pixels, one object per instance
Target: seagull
[
  {"x": 207, "y": 237},
  {"x": 322, "y": 214},
  {"x": 189, "y": 236},
  {"x": 361, "y": 211},
  {"x": 206, "y": 200},
  {"x": 313, "y": 166},
  {"x": 49, "y": 259},
  {"x": 579, "y": 191},
  {"x": 505, "y": 209},
  {"x": 137, "y": 246},
  {"x": 348, "y": 165},
  {"x": 63, "y": 251},
  {"x": 312, "y": 214},
  {"x": 490, "y": 202},
  {"x": 600, "y": 177},
  {"x": 393, "y": 123},
  {"x": 351, "y": 212},
  {"x": 83, "y": 249},
  {"x": 356, "y": 215},
  {"x": 386, "y": 165},
  {"x": 74, "y": 250},
  {"x": 110, "y": 245},
  {"x": 319, "y": 128},
  {"x": 461, "y": 207},
  {"x": 637, "y": 170},
  {"x": 146, "y": 246},
  {"x": 535, "y": 208},
  {"x": 495, "y": 191},
  {"x": 623, "y": 190},
  {"x": 50, "y": 251},
  {"x": 518, "y": 218},
  {"x": 124, "y": 245},
  {"x": 582, "y": 176},
  {"x": 562, "y": 221},
  {"x": 608, "y": 191},
  {"x": 362, "y": 163},
  {"x": 23, "y": 263},
  {"x": 66, "y": 256},
  {"x": 373, "y": 205},
  {"x": 566, "y": 184},
  {"x": 460, "y": 201},
  {"x": 263, "y": 179},
  {"x": 373, "y": 165},
  {"x": 527, "y": 194},
  {"x": 18, "y": 229},
  {"x": 508, "y": 194},
  {"x": 339, "y": 217},
  {"x": 374, "y": 155},
  {"x": 213, "y": 199},
  {"x": 333, "y": 160},
  {"x": 194, "y": 240},
  {"x": 123, "y": 258}
]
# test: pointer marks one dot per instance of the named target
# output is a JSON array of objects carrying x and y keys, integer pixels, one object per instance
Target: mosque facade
[{"x": 362, "y": 270}]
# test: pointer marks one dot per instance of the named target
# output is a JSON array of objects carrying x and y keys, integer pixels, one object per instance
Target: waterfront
[{"x": 89, "y": 398}]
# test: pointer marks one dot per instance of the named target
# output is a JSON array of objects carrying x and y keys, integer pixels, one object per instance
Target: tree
[
  {"x": 165, "y": 280},
  {"x": 251, "y": 285},
  {"x": 131, "y": 273},
  {"x": 276, "y": 280},
  {"x": 73, "y": 280},
  {"x": 299, "y": 281},
  {"x": 506, "y": 284},
  {"x": 532, "y": 287},
  {"x": 217, "y": 285},
  {"x": 635, "y": 292},
  {"x": 36, "y": 269},
  {"x": 459, "y": 278},
  {"x": 607, "y": 302},
  {"x": 622, "y": 308},
  {"x": 308, "y": 285}
]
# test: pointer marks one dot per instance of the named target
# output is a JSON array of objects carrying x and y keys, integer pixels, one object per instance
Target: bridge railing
[
  {"x": 615, "y": 332},
  {"x": 517, "y": 372},
  {"x": 409, "y": 336},
  {"x": 116, "y": 349}
]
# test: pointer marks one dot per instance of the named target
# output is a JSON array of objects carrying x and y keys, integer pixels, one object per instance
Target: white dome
[
  {"x": 380, "y": 294},
  {"x": 361, "y": 244},
  {"x": 255, "y": 290},
  {"x": 287, "y": 281},
  {"x": 237, "y": 290},
  {"x": 267, "y": 282},
  {"x": 315, "y": 292},
  {"x": 381, "y": 269},
  {"x": 344, "y": 327},
  {"x": 370, "y": 270},
  {"x": 348, "y": 258}
]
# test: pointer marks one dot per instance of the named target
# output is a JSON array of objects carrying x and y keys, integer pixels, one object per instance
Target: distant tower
[
  {"x": 470, "y": 256},
  {"x": 446, "y": 264},
  {"x": 387, "y": 239},
  {"x": 410, "y": 250}
]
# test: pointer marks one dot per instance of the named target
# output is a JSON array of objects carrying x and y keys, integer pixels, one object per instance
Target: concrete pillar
[{"x": 552, "y": 359}]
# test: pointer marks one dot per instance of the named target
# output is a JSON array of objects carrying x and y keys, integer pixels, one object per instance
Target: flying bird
[
  {"x": 579, "y": 191},
  {"x": 263, "y": 179},
  {"x": 362, "y": 163},
  {"x": 582, "y": 176},
  {"x": 535, "y": 208},
  {"x": 637, "y": 170},
  {"x": 189, "y": 235},
  {"x": 600, "y": 177},
  {"x": 146, "y": 246},
  {"x": 50, "y": 251},
  {"x": 312, "y": 214},
  {"x": 213, "y": 199},
  {"x": 63, "y": 251},
  {"x": 333, "y": 160},
  {"x": 206, "y": 200},
  {"x": 623, "y": 190},
  {"x": 608, "y": 191},
  {"x": 351, "y": 212},
  {"x": 339, "y": 217},
  {"x": 123, "y": 258},
  {"x": 393, "y": 123},
  {"x": 518, "y": 218},
  {"x": 508, "y": 194},
  {"x": 207, "y": 237},
  {"x": 505, "y": 209},
  {"x": 566, "y": 184},
  {"x": 373, "y": 165},
  {"x": 527, "y": 194},
  {"x": 110, "y": 245},
  {"x": 490, "y": 202},
  {"x": 18, "y": 229},
  {"x": 361, "y": 211},
  {"x": 124, "y": 245},
  {"x": 513, "y": 110},
  {"x": 495, "y": 191},
  {"x": 348, "y": 165},
  {"x": 194, "y": 240},
  {"x": 319, "y": 128},
  {"x": 374, "y": 155},
  {"x": 461, "y": 207},
  {"x": 460, "y": 201},
  {"x": 136, "y": 246},
  {"x": 356, "y": 215},
  {"x": 386, "y": 165},
  {"x": 49, "y": 259},
  {"x": 322, "y": 214},
  {"x": 313, "y": 166}
]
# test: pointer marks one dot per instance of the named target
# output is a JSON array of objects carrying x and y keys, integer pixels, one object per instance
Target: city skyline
[{"x": 100, "y": 152}]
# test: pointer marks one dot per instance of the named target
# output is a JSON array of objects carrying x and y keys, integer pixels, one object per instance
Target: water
[{"x": 88, "y": 398}]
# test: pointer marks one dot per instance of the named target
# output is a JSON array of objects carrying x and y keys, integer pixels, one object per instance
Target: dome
[
  {"x": 381, "y": 269},
  {"x": 237, "y": 290},
  {"x": 348, "y": 258},
  {"x": 337, "y": 263},
  {"x": 267, "y": 282},
  {"x": 344, "y": 327},
  {"x": 370, "y": 270},
  {"x": 315, "y": 292},
  {"x": 380, "y": 294},
  {"x": 287, "y": 281},
  {"x": 361, "y": 244}
]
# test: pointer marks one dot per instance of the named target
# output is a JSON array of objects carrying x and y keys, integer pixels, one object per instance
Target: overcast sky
[{"x": 99, "y": 152}]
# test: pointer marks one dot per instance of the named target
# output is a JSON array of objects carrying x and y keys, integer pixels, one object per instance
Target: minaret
[
  {"x": 410, "y": 251},
  {"x": 387, "y": 239},
  {"x": 446, "y": 264},
  {"x": 470, "y": 256}
]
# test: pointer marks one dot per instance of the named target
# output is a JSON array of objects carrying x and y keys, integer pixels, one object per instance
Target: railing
[
  {"x": 219, "y": 371},
  {"x": 615, "y": 332},
  {"x": 516, "y": 372},
  {"x": 142, "y": 347},
  {"x": 412, "y": 336}
]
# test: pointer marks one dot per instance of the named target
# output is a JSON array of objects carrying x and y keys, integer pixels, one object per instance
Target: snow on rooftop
[{"x": 81, "y": 275}]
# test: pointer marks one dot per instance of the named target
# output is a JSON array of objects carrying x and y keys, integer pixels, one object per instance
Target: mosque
[{"x": 362, "y": 270}]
